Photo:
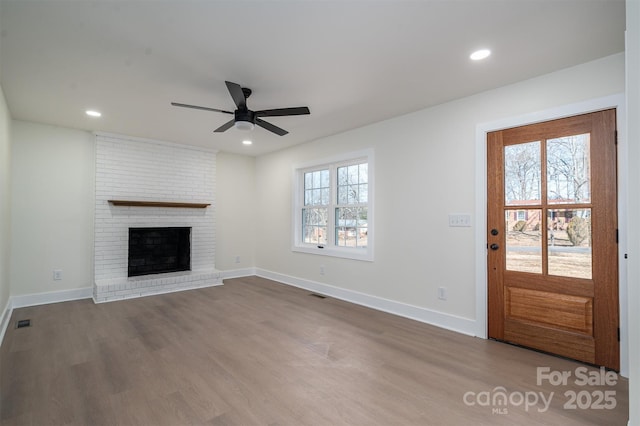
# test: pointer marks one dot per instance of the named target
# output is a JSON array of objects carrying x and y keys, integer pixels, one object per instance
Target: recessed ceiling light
[
  {"x": 480, "y": 54},
  {"x": 92, "y": 113},
  {"x": 247, "y": 142}
]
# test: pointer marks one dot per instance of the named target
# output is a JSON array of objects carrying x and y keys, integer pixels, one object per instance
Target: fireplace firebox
[{"x": 159, "y": 250}]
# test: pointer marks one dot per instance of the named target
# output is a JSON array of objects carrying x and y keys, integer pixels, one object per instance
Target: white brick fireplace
[{"x": 138, "y": 171}]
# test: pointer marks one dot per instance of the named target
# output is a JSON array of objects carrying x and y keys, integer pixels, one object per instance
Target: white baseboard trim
[
  {"x": 24, "y": 300},
  {"x": 238, "y": 273},
  {"x": 428, "y": 316},
  {"x": 4, "y": 320}
]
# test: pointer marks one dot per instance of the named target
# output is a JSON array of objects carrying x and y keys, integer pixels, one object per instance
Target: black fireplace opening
[{"x": 159, "y": 250}]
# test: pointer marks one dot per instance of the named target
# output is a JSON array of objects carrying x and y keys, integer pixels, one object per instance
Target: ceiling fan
[{"x": 244, "y": 118}]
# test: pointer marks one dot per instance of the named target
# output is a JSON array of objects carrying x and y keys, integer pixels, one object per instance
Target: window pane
[
  {"x": 316, "y": 188},
  {"x": 315, "y": 235},
  {"x": 314, "y": 217},
  {"x": 568, "y": 169},
  {"x": 569, "y": 243},
  {"x": 314, "y": 226},
  {"x": 352, "y": 194},
  {"x": 351, "y": 226},
  {"x": 361, "y": 237},
  {"x": 343, "y": 194},
  {"x": 324, "y": 178},
  {"x": 522, "y": 174},
  {"x": 351, "y": 237},
  {"x": 324, "y": 196},
  {"x": 342, "y": 176},
  {"x": 352, "y": 184},
  {"x": 353, "y": 174},
  {"x": 346, "y": 216},
  {"x": 363, "y": 193},
  {"x": 524, "y": 241}
]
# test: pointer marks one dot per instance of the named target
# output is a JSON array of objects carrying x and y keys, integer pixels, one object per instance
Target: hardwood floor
[{"x": 255, "y": 352}]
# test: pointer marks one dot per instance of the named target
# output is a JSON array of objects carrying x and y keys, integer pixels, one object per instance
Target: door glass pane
[
  {"x": 568, "y": 170},
  {"x": 522, "y": 174},
  {"x": 569, "y": 243},
  {"x": 524, "y": 240}
]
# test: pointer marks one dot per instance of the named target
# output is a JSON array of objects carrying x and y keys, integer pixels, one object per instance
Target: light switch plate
[{"x": 460, "y": 220}]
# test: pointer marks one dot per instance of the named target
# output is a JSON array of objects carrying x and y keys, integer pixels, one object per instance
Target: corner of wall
[
  {"x": 235, "y": 212},
  {"x": 5, "y": 316},
  {"x": 5, "y": 208}
]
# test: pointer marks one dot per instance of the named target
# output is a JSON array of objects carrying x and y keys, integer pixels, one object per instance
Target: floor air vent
[
  {"x": 23, "y": 323},
  {"x": 319, "y": 296}
]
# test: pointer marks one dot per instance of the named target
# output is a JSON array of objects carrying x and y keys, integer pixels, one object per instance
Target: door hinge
[
  {"x": 618, "y": 334},
  {"x": 617, "y": 236},
  {"x": 615, "y": 137}
]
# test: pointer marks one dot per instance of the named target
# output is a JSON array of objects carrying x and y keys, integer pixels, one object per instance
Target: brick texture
[{"x": 142, "y": 170}]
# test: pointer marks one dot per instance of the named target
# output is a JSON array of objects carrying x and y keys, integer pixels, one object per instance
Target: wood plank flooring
[{"x": 256, "y": 352}]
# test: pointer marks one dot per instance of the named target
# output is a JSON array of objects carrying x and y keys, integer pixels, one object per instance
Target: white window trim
[{"x": 297, "y": 245}]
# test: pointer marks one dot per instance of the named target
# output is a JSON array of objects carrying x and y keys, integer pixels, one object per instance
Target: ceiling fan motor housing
[
  {"x": 245, "y": 116},
  {"x": 244, "y": 120}
]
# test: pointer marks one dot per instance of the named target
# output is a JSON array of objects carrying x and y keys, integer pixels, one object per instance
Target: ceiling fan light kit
[
  {"x": 244, "y": 125},
  {"x": 246, "y": 119}
]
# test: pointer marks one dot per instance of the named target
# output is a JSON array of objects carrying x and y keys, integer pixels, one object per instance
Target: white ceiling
[{"x": 352, "y": 62}]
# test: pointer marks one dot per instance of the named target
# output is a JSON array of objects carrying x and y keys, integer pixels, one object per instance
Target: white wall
[
  {"x": 5, "y": 203},
  {"x": 633, "y": 159},
  {"x": 424, "y": 171},
  {"x": 52, "y": 204},
  {"x": 53, "y": 172},
  {"x": 235, "y": 211}
]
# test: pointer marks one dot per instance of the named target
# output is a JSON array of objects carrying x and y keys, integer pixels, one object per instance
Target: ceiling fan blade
[
  {"x": 226, "y": 126},
  {"x": 270, "y": 127},
  {"x": 237, "y": 94},
  {"x": 199, "y": 107},
  {"x": 279, "y": 112}
]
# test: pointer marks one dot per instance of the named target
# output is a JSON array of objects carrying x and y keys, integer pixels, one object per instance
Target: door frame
[{"x": 614, "y": 101}]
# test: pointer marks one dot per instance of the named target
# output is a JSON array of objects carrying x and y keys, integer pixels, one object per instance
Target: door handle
[{"x": 494, "y": 246}]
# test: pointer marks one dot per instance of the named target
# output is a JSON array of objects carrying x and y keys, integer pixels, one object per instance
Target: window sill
[{"x": 363, "y": 255}]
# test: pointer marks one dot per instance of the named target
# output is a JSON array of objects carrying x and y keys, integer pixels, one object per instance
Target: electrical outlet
[
  {"x": 57, "y": 274},
  {"x": 321, "y": 269},
  {"x": 237, "y": 259},
  {"x": 442, "y": 293}
]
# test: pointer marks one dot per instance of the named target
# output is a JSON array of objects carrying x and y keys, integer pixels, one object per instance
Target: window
[
  {"x": 315, "y": 210},
  {"x": 333, "y": 207}
]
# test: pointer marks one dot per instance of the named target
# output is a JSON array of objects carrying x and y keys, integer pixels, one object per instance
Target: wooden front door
[{"x": 552, "y": 237}]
